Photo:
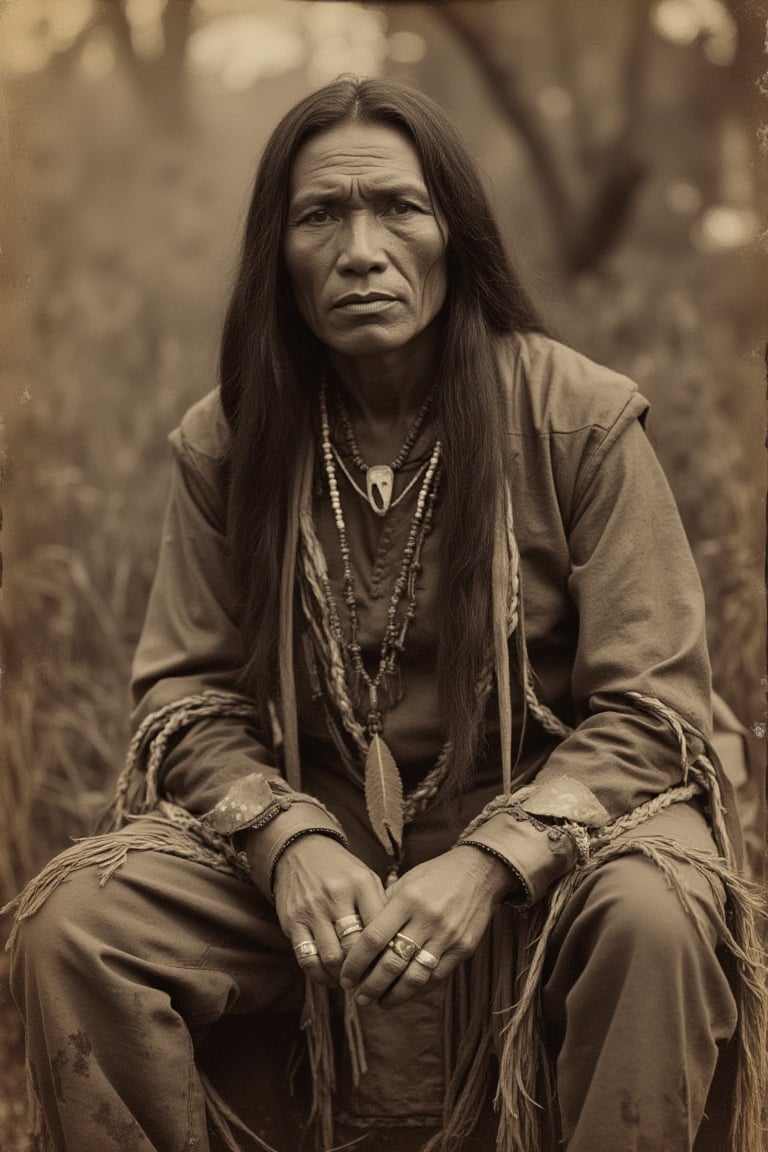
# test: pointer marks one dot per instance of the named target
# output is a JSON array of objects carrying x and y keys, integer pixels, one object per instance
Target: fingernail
[
  {"x": 363, "y": 1000},
  {"x": 346, "y": 983}
]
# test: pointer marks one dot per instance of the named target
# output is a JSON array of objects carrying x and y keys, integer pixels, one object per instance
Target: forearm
[{"x": 209, "y": 758}]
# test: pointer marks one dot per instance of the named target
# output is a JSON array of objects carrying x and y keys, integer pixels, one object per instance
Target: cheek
[
  {"x": 430, "y": 268},
  {"x": 435, "y": 283}
]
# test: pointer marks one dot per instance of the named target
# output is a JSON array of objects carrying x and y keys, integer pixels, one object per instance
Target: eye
[
  {"x": 317, "y": 216},
  {"x": 402, "y": 208}
]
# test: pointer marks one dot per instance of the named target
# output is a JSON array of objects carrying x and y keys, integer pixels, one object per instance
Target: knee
[
  {"x": 57, "y": 931},
  {"x": 637, "y": 910}
]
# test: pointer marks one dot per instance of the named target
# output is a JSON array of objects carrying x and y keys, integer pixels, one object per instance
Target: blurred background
[{"x": 624, "y": 147}]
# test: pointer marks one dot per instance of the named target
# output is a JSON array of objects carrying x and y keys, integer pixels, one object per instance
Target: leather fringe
[
  {"x": 492, "y": 1010},
  {"x": 316, "y": 1026},
  {"x": 162, "y": 831},
  {"x": 225, "y": 1122}
]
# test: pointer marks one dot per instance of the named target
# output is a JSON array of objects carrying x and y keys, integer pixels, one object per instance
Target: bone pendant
[{"x": 379, "y": 483}]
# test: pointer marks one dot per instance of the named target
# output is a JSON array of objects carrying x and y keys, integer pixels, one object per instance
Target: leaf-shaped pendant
[{"x": 384, "y": 795}]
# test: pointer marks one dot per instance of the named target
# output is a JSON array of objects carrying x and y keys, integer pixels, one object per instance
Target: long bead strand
[{"x": 393, "y": 640}]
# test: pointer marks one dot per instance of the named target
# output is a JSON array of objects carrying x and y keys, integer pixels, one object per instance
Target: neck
[{"x": 389, "y": 388}]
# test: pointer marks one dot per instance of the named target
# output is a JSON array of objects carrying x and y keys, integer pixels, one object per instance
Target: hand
[
  {"x": 316, "y": 883},
  {"x": 443, "y": 905}
]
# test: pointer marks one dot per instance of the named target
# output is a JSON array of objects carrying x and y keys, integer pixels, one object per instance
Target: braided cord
[
  {"x": 157, "y": 729},
  {"x": 328, "y": 651},
  {"x": 701, "y": 768},
  {"x": 545, "y": 716},
  {"x": 645, "y": 811}
]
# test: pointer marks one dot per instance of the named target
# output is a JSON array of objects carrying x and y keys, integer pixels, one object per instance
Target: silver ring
[
  {"x": 348, "y": 931},
  {"x": 348, "y": 924},
  {"x": 403, "y": 946},
  {"x": 426, "y": 959},
  {"x": 305, "y": 949}
]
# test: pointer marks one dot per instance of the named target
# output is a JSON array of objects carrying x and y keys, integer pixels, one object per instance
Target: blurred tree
[
  {"x": 159, "y": 75},
  {"x": 162, "y": 77},
  {"x": 588, "y": 214}
]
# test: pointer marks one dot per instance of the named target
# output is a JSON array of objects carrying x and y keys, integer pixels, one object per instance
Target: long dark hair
[{"x": 270, "y": 364}]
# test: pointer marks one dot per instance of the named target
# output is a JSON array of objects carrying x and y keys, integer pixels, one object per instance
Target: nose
[{"x": 360, "y": 249}]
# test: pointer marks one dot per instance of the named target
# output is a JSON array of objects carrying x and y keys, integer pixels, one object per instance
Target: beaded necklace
[
  {"x": 328, "y": 664},
  {"x": 380, "y": 478},
  {"x": 398, "y": 499},
  {"x": 383, "y": 786}
]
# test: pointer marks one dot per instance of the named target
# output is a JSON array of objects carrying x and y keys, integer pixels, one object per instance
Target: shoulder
[
  {"x": 566, "y": 415},
  {"x": 203, "y": 431},
  {"x": 553, "y": 389},
  {"x": 200, "y": 444}
]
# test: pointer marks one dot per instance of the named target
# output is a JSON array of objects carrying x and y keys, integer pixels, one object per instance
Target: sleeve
[
  {"x": 219, "y": 766},
  {"x": 641, "y": 634}
]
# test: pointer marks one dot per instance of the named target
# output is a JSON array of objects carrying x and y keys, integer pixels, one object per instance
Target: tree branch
[
  {"x": 586, "y": 232},
  {"x": 177, "y": 25},
  {"x": 112, "y": 13},
  {"x": 506, "y": 93}
]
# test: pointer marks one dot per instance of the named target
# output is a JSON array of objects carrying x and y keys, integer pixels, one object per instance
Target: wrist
[
  {"x": 287, "y": 845},
  {"x": 298, "y": 839},
  {"x": 265, "y": 844},
  {"x": 498, "y": 876}
]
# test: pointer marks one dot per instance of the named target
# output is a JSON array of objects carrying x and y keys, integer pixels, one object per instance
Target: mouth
[{"x": 358, "y": 302}]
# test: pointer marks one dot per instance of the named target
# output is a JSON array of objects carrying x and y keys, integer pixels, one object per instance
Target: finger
[
  {"x": 346, "y": 928},
  {"x": 370, "y": 944},
  {"x": 415, "y": 978},
  {"x": 380, "y": 978},
  {"x": 329, "y": 948},
  {"x": 394, "y": 967},
  {"x": 307, "y": 955},
  {"x": 369, "y": 902},
  {"x": 370, "y": 899}
]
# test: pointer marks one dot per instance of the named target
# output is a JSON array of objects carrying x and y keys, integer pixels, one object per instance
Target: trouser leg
[
  {"x": 114, "y": 983},
  {"x": 636, "y": 1002}
]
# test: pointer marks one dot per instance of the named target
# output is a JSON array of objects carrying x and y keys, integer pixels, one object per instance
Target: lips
[{"x": 363, "y": 298}]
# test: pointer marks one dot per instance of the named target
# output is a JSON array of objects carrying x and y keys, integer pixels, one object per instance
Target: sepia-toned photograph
[{"x": 383, "y": 416}]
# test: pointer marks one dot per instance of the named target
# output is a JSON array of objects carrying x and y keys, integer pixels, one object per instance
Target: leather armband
[
  {"x": 254, "y": 801},
  {"x": 270, "y": 807},
  {"x": 539, "y": 853}
]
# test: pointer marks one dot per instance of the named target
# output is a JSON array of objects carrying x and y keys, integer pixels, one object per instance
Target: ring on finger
[
  {"x": 426, "y": 959},
  {"x": 349, "y": 930},
  {"x": 403, "y": 946},
  {"x": 305, "y": 949},
  {"x": 347, "y": 925}
]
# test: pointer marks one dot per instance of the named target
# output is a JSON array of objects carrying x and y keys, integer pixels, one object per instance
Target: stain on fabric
[
  {"x": 630, "y": 1113},
  {"x": 58, "y": 1064},
  {"x": 83, "y": 1049},
  {"x": 124, "y": 1134}
]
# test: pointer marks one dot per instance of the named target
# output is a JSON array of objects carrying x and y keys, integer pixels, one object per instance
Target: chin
[{"x": 366, "y": 343}]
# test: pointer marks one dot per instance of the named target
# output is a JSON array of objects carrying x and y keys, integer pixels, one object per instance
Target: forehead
[{"x": 376, "y": 153}]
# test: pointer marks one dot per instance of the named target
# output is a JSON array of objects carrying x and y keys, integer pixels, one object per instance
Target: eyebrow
[{"x": 379, "y": 189}]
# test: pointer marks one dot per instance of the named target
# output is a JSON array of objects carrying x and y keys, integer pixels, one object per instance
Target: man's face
[{"x": 364, "y": 249}]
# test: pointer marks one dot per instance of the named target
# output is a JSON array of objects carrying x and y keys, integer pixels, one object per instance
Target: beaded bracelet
[
  {"x": 518, "y": 899},
  {"x": 338, "y": 836}
]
